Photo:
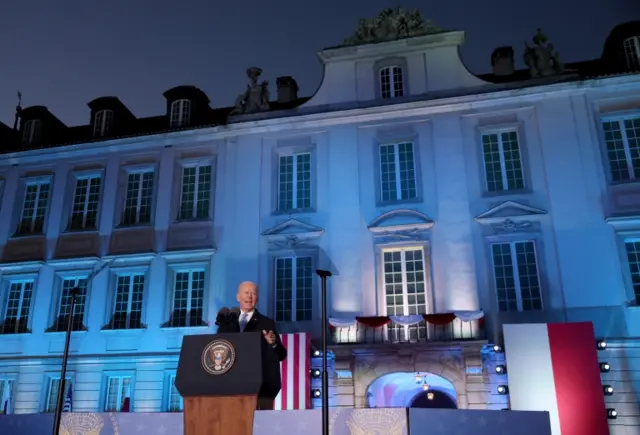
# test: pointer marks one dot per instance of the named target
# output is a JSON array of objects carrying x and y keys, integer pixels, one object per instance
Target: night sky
[{"x": 63, "y": 54}]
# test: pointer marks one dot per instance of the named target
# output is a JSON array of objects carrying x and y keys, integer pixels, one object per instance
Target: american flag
[
  {"x": 296, "y": 388},
  {"x": 68, "y": 400}
]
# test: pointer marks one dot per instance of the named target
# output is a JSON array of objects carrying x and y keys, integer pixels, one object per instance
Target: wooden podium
[{"x": 220, "y": 377}]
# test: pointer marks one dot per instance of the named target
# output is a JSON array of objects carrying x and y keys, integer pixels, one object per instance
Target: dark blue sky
[{"x": 62, "y": 54}]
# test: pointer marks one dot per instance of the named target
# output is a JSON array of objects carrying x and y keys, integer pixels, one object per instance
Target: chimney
[
  {"x": 287, "y": 89},
  {"x": 502, "y": 61}
]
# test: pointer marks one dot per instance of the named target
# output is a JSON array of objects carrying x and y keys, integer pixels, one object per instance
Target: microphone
[{"x": 223, "y": 316}]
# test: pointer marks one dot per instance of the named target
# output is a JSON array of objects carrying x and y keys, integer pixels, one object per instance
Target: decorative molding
[
  {"x": 21, "y": 267},
  {"x": 509, "y": 226},
  {"x": 191, "y": 255},
  {"x": 511, "y": 211},
  {"x": 196, "y": 161},
  {"x": 79, "y": 263},
  {"x": 402, "y": 221},
  {"x": 292, "y": 233},
  {"x": 624, "y": 223}
]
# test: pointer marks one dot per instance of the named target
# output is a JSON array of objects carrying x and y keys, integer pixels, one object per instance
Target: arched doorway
[
  {"x": 432, "y": 399},
  {"x": 407, "y": 389}
]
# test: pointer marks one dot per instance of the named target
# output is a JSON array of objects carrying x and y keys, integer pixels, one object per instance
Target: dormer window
[
  {"x": 180, "y": 113},
  {"x": 391, "y": 82},
  {"x": 31, "y": 132},
  {"x": 632, "y": 52},
  {"x": 102, "y": 122}
]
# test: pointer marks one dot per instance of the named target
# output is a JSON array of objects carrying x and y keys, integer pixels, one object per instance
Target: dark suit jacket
[{"x": 258, "y": 322}]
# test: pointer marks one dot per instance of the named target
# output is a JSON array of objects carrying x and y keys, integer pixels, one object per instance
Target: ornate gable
[
  {"x": 403, "y": 224},
  {"x": 510, "y": 216},
  {"x": 292, "y": 233}
]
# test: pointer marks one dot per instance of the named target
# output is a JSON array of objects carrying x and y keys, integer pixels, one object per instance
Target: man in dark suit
[{"x": 250, "y": 320}]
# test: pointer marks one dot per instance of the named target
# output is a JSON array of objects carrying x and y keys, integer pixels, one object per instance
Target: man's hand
[{"x": 269, "y": 336}]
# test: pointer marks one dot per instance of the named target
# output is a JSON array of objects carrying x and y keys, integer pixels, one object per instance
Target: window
[
  {"x": 515, "y": 271},
  {"x": 68, "y": 284},
  {"x": 180, "y": 113},
  {"x": 502, "y": 161},
  {"x": 188, "y": 298},
  {"x": 127, "y": 309},
  {"x": 102, "y": 123},
  {"x": 53, "y": 386},
  {"x": 118, "y": 389},
  {"x": 18, "y": 307},
  {"x": 34, "y": 207},
  {"x": 86, "y": 199},
  {"x": 6, "y": 393},
  {"x": 397, "y": 172},
  {"x": 633, "y": 257},
  {"x": 31, "y": 132},
  {"x": 632, "y": 52},
  {"x": 622, "y": 138},
  {"x": 405, "y": 290},
  {"x": 294, "y": 182},
  {"x": 174, "y": 399},
  {"x": 294, "y": 289},
  {"x": 391, "y": 82},
  {"x": 195, "y": 195},
  {"x": 139, "y": 198}
]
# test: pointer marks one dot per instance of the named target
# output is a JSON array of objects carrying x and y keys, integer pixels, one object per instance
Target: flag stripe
[
  {"x": 576, "y": 374},
  {"x": 294, "y": 371}
]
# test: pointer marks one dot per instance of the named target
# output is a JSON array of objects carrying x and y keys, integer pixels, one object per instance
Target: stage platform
[{"x": 344, "y": 421}]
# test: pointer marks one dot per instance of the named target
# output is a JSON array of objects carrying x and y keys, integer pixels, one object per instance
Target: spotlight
[
  {"x": 608, "y": 390},
  {"x": 316, "y": 394},
  {"x": 315, "y": 373},
  {"x": 503, "y": 389},
  {"x": 316, "y": 353},
  {"x": 430, "y": 395},
  {"x": 425, "y": 387},
  {"x": 602, "y": 345},
  {"x": 418, "y": 378},
  {"x": 604, "y": 367},
  {"x": 497, "y": 348},
  {"x": 501, "y": 369},
  {"x": 612, "y": 414}
]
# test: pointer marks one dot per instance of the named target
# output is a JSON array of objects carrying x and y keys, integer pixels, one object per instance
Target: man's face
[{"x": 247, "y": 296}]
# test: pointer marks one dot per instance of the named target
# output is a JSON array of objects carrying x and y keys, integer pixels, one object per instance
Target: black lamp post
[
  {"x": 65, "y": 356},
  {"x": 324, "y": 274}
]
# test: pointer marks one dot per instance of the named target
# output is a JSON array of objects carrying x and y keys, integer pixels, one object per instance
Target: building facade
[{"x": 444, "y": 204}]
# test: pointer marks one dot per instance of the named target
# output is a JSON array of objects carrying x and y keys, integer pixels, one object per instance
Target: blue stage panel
[{"x": 472, "y": 422}]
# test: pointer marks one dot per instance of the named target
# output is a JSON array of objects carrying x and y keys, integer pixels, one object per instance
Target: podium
[{"x": 220, "y": 377}]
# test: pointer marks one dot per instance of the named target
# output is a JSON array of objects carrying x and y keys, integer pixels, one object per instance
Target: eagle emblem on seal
[{"x": 218, "y": 357}]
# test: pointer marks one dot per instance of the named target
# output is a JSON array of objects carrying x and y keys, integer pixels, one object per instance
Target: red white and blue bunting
[{"x": 410, "y": 320}]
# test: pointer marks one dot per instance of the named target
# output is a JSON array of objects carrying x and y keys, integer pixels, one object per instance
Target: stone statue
[
  {"x": 541, "y": 58},
  {"x": 255, "y": 98},
  {"x": 389, "y": 25}
]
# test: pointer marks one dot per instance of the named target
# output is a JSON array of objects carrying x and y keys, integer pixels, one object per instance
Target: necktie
[{"x": 243, "y": 321}]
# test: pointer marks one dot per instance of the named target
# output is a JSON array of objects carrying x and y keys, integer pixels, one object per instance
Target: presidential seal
[{"x": 218, "y": 357}]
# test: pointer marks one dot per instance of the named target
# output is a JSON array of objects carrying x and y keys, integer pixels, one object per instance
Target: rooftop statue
[
  {"x": 256, "y": 97},
  {"x": 390, "y": 25},
  {"x": 541, "y": 58}
]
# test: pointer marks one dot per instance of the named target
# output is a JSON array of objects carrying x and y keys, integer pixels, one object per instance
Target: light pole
[{"x": 324, "y": 274}]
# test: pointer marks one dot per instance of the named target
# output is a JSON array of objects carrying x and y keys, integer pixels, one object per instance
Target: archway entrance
[
  {"x": 407, "y": 389},
  {"x": 432, "y": 399}
]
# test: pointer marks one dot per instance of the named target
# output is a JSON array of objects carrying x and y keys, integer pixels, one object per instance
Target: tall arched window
[
  {"x": 632, "y": 52},
  {"x": 31, "y": 132},
  {"x": 180, "y": 113},
  {"x": 102, "y": 123},
  {"x": 391, "y": 82}
]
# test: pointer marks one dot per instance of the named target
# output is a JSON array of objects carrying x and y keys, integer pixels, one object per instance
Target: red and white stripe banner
[
  {"x": 554, "y": 367},
  {"x": 296, "y": 387}
]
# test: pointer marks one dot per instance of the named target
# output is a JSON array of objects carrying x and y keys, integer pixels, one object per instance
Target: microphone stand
[
  {"x": 324, "y": 274},
  {"x": 65, "y": 356}
]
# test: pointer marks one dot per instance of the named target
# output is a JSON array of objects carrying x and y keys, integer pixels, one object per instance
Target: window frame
[
  {"x": 173, "y": 268},
  {"x": 303, "y": 253},
  {"x": 75, "y": 177},
  {"x": 618, "y": 117},
  {"x": 49, "y": 377},
  {"x": 2, "y": 184},
  {"x": 114, "y": 275},
  {"x": 168, "y": 386},
  {"x": 26, "y": 182},
  {"x": 394, "y": 61},
  {"x": 294, "y": 199},
  {"x": 631, "y": 43},
  {"x": 102, "y": 123},
  {"x": 122, "y": 195},
  {"x": 416, "y": 165},
  {"x": 512, "y": 240},
  {"x": 190, "y": 163},
  {"x": 499, "y": 130},
  {"x": 183, "y": 116},
  {"x": 624, "y": 238},
  {"x": 31, "y": 132},
  {"x": 104, "y": 391},
  {"x": 287, "y": 148},
  {"x": 60, "y": 277},
  {"x": 5, "y": 378},
  {"x": 5, "y": 283}
]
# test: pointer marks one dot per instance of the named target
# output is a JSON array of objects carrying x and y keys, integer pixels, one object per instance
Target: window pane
[
  {"x": 397, "y": 172},
  {"x": 516, "y": 276},
  {"x": 68, "y": 284},
  {"x": 34, "y": 208},
  {"x": 128, "y": 302},
  {"x": 633, "y": 258},
  {"x": 284, "y": 289},
  {"x": 138, "y": 199},
  {"x": 188, "y": 299},
  {"x": 16, "y": 314},
  {"x": 285, "y": 183},
  {"x": 196, "y": 192},
  {"x": 85, "y": 203},
  {"x": 502, "y": 161}
]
